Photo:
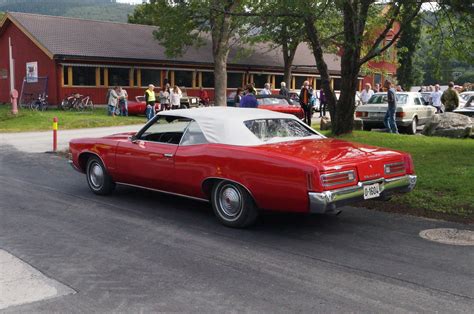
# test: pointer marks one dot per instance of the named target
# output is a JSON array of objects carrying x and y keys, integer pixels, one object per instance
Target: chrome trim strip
[
  {"x": 165, "y": 192},
  {"x": 321, "y": 202}
]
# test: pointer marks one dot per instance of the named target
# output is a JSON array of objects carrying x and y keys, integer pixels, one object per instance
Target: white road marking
[{"x": 20, "y": 283}]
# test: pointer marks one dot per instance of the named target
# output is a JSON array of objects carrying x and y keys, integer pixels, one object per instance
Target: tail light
[
  {"x": 394, "y": 168},
  {"x": 362, "y": 114},
  {"x": 338, "y": 178},
  {"x": 409, "y": 166},
  {"x": 401, "y": 114}
]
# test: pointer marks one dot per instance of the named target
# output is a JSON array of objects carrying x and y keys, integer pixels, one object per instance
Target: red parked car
[
  {"x": 243, "y": 161},
  {"x": 137, "y": 107},
  {"x": 280, "y": 104}
]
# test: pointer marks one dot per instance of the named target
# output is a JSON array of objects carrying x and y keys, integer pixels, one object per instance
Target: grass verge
[
  {"x": 445, "y": 169},
  {"x": 28, "y": 120}
]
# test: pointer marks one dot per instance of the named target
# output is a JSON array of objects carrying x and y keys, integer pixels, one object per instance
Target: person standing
[
  {"x": 366, "y": 94},
  {"x": 377, "y": 88},
  {"x": 450, "y": 98},
  {"x": 266, "y": 90},
  {"x": 204, "y": 96},
  {"x": 283, "y": 90},
  {"x": 249, "y": 100},
  {"x": 165, "y": 98},
  {"x": 175, "y": 97},
  {"x": 305, "y": 99},
  {"x": 123, "y": 101},
  {"x": 237, "y": 97},
  {"x": 322, "y": 103},
  {"x": 435, "y": 98},
  {"x": 389, "y": 120},
  {"x": 150, "y": 100},
  {"x": 112, "y": 103}
]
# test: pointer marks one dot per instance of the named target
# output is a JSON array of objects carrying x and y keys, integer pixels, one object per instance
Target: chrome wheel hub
[
  {"x": 230, "y": 201},
  {"x": 96, "y": 175}
]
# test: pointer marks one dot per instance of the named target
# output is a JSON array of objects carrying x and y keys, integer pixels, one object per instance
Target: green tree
[
  {"x": 408, "y": 73},
  {"x": 181, "y": 24}
]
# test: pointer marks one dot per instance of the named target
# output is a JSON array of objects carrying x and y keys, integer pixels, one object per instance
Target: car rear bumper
[{"x": 328, "y": 201}]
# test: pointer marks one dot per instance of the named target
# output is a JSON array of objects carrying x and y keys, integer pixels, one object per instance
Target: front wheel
[
  {"x": 98, "y": 179},
  {"x": 233, "y": 205}
]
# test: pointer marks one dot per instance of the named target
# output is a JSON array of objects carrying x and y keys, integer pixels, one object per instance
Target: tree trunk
[
  {"x": 220, "y": 79},
  {"x": 314, "y": 40}
]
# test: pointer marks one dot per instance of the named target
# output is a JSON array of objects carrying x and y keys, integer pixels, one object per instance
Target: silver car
[{"x": 411, "y": 111}]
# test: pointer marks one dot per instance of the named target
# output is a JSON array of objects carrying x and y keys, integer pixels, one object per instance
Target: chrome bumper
[{"x": 328, "y": 201}]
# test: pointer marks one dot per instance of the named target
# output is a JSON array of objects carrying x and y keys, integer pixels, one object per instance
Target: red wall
[{"x": 24, "y": 50}]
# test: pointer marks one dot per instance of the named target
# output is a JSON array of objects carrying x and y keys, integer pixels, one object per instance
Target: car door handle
[{"x": 168, "y": 155}]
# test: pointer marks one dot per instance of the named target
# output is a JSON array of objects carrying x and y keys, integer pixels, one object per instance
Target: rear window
[
  {"x": 273, "y": 101},
  {"x": 269, "y": 130},
  {"x": 382, "y": 99}
]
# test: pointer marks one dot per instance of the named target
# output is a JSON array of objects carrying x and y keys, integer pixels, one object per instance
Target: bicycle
[
  {"x": 86, "y": 104},
  {"x": 40, "y": 103}
]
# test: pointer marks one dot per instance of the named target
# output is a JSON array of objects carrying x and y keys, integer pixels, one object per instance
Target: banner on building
[{"x": 32, "y": 72}]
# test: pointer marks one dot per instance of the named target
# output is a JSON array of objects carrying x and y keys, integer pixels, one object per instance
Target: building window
[
  {"x": 119, "y": 76},
  {"x": 136, "y": 81},
  {"x": 299, "y": 80},
  {"x": 83, "y": 76},
  {"x": 151, "y": 77},
  {"x": 337, "y": 84},
  {"x": 278, "y": 80},
  {"x": 66, "y": 75},
  {"x": 183, "y": 78},
  {"x": 207, "y": 79},
  {"x": 319, "y": 83},
  {"x": 259, "y": 80},
  {"x": 234, "y": 80},
  {"x": 102, "y": 76},
  {"x": 377, "y": 78}
]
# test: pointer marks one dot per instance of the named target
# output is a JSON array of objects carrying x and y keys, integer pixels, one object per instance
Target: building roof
[
  {"x": 65, "y": 37},
  {"x": 225, "y": 125}
]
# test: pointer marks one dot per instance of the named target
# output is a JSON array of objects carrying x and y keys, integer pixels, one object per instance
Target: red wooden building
[{"x": 85, "y": 56}]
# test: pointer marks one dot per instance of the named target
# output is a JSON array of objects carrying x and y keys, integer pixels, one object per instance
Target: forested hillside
[{"x": 106, "y": 10}]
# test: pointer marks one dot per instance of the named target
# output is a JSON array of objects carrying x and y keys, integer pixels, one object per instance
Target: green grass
[
  {"x": 444, "y": 166},
  {"x": 28, "y": 120}
]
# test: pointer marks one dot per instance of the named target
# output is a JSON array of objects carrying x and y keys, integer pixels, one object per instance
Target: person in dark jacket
[
  {"x": 238, "y": 97},
  {"x": 249, "y": 100},
  {"x": 305, "y": 102},
  {"x": 389, "y": 120},
  {"x": 283, "y": 90}
]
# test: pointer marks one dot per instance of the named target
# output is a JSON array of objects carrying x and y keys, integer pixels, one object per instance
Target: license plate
[
  {"x": 371, "y": 191},
  {"x": 376, "y": 115}
]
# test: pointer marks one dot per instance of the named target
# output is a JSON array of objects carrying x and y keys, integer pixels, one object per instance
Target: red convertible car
[
  {"x": 137, "y": 107},
  {"x": 242, "y": 161},
  {"x": 279, "y": 104}
]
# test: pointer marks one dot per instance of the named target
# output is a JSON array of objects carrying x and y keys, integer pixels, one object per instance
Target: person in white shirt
[
  {"x": 266, "y": 90},
  {"x": 366, "y": 93},
  {"x": 435, "y": 99},
  {"x": 175, "y": 97}
]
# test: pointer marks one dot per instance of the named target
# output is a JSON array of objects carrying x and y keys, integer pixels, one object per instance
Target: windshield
[
  {"x": 465, "y": 96},
  {"x": 140, "y": 98},
  {"x": 382, "y": 99},
  {"x": 272, "y": 101},
  {"x": 273, "y": 130}
]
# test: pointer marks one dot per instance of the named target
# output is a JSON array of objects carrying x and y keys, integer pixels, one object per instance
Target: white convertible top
[{"x": 225, "y": 125}]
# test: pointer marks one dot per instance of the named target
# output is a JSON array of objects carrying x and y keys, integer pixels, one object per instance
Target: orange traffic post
[{"x": 55, "y": 134}]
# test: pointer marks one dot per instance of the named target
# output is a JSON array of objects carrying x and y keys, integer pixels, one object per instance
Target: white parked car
[
  {"x": 464, "y": 97},
  {"x": 411, "y": 111}
]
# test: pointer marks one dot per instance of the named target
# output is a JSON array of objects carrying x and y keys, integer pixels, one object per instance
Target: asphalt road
[{"x": 139, "y": 251}]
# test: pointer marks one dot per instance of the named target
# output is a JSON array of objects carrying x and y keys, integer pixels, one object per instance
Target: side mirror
[{"x": 134, "y": 139}]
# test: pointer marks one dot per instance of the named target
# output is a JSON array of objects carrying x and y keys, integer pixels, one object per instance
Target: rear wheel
[
  {"x": 233, "y": 205},
  {"x": 411, "y": 129},
  {"x": 98, "y": 179}
]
